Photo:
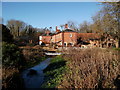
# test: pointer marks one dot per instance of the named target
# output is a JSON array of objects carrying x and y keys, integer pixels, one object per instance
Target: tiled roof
[
  {"x": 86, "y": 36},
  {"x": 50, "y": 34},
  {"x": 69, "y": 30}
]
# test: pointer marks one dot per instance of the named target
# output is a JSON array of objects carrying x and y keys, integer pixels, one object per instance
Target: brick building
[
  {"x": 66, "y": 37},
  {"x": 70, "y": 37}
]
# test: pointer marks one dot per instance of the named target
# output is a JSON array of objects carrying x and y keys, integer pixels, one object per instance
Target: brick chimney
[
  {"x": 66, "y": 26},
  {"x": 57, "y": 30},
  {"x": 47, "y": 32}
]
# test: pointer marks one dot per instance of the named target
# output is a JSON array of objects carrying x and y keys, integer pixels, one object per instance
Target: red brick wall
[
  {"x": 57, "y": 38},
  {"x": 70, "y": 37},
  {"x": 66, "y": 37},
  {"x": 46, "y": 39}
]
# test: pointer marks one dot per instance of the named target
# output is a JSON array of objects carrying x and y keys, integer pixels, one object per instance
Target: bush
[
  {"x": 6, "y": 35},
  {"x": 91, "y": 68},
  {"x": 11, "y": 79},
  {"x": 12, "y": 61},
  {"x": 11, "y": 55},
  {"x": 33, "y": 55}
]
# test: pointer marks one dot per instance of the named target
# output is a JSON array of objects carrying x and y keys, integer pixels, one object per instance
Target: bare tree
[
  {"x": 107, "y": 20},
  {"x": 15, "y": 27},
  {"x": 72, "y": 25},
  {"x": 85, "y": 27},
  {"x": 111, "y": 12},
  {"x": 97, "y": 24}
]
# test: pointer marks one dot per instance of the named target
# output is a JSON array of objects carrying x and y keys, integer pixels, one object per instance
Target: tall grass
[{"x": 91, "y": 68}]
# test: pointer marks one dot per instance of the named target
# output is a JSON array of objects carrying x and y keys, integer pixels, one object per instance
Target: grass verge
[{"x": 54, "y": 72}]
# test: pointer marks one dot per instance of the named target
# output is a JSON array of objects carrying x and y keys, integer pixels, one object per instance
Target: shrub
[
  {"x": 6, "y": 35},
  {"x": 91, "y": 68},
  {"x": 11, "y": 79},
  {"x": 11, "y": 55},
  {"x": 33, "y": 55},
  {"x": 12, "y": 61}
]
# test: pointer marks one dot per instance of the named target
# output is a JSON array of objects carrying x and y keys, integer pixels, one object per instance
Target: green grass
[
  {"x": 117, "y": 49},
  {"x": 54, "y": 72}
]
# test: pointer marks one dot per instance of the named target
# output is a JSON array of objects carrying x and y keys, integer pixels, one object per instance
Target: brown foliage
[
  {"x": 91, "y": 68},
  {"x": 11, "y": 78},
  {"x": 31, "y": 53}
]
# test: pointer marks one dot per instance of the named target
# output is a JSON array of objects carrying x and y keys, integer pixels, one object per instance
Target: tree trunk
[
  {"x": 117, "y": 44},
  {"x": 18, "y": 31}
]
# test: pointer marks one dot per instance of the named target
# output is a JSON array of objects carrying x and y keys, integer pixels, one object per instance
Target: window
[
  {"x": 70, "y": 35},
  {"x": 64, "y": 44},
  {"x": 60, "y": 43},
  {"x": 70, "y": 44}
]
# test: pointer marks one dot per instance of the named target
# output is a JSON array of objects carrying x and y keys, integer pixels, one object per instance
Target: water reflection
[{"x": 34, "y": 77}]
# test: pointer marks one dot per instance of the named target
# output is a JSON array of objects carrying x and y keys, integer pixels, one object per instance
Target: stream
[{"x": 34, "y": 77}]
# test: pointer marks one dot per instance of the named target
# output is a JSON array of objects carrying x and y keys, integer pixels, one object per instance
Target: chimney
[
  {"x": 47, "y": 32},
  {"x": 57, "y": 30},
  {"x": 66, "y": 26}
]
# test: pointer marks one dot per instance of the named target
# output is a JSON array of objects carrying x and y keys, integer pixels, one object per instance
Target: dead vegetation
[
  {"x": 91, "y": 68},
  {"x": 11, "y": 75},
  {"x": 11, "y": 78},
  {"x": 32, "y": 53}
]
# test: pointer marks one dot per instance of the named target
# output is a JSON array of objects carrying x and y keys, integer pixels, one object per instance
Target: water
[{"x": 36, "y": 78}]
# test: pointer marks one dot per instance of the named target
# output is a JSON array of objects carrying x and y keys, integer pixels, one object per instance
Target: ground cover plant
[{"x": 54, "y": 72}]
